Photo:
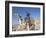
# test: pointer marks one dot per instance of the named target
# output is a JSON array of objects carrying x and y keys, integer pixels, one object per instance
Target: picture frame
[{"x": 10, "y": 6}]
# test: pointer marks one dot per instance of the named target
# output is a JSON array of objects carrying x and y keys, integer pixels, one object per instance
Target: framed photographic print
[{"x": 24, "y": 18}]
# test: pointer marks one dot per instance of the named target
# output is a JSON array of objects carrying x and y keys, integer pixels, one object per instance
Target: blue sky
[{"x": 23, "y": 11}]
